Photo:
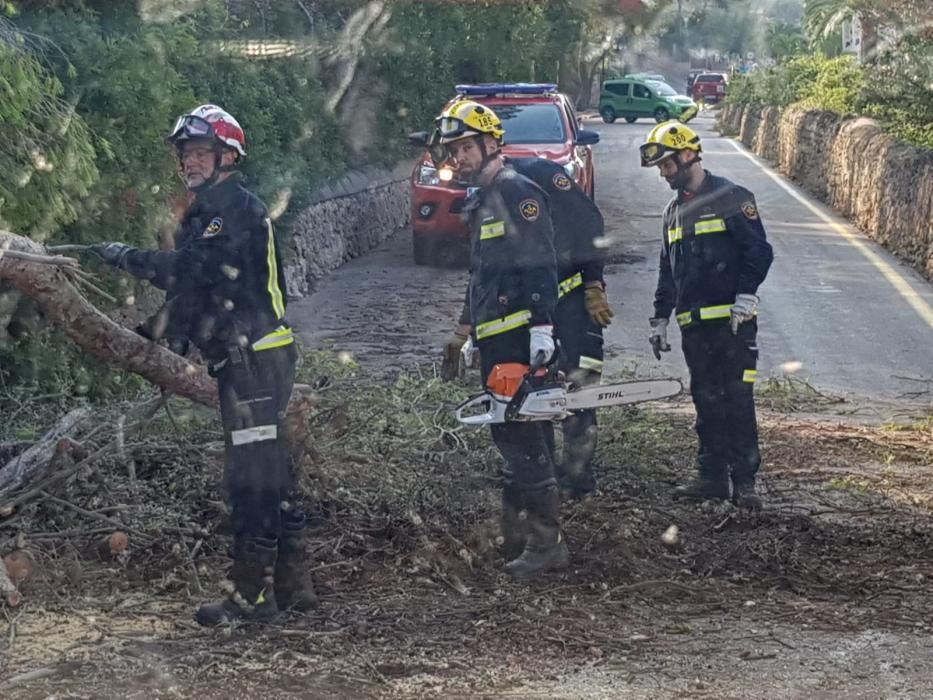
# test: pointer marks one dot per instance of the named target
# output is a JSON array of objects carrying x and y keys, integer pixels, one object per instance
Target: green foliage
[
  {"x": 48, "y": 364},
  {"x": 102, "y": 72},
  {"x": 437, "y": 46},
  {"x": 784, "y": 41},
  {"x": 837, "y": 86},
  {"x": 46, "y": 158},
  {"x": 898, "y": 92},
  {"x": 893, "y": 89},
  {"x": 813, "y": 81}
]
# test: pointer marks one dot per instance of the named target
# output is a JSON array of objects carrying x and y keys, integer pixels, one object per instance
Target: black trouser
[
  {"x": 254, "y": 391},
  {"x": 722, "y": 375},
  {"x": 522, "y": 444},
  {"x": 581, "y": 359}
]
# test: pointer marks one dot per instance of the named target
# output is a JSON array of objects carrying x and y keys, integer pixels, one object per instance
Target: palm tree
[{"x": 821, "y": 17}]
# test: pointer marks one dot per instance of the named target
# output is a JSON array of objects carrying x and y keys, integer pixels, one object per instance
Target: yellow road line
[{"x": 901, "y": 285}]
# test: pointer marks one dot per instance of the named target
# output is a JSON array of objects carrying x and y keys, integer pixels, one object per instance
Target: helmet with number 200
[{"x": 666, "y": 139}]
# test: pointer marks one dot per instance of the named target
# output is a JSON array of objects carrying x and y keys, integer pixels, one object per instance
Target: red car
[
  {"x": 709, "y": 88},
  {"x": 538, "y": 121}
]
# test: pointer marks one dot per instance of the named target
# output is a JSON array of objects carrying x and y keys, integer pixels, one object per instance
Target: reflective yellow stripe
[
  {"x": 591, "y": 363},
  {"x": 569, "y": 284},
  {"x": 706, "y": 313},
  {"x": 493, "y": 230},
  {"x": 275, "y": 291},
  {"x": 674, "y": 235},
  {"x": 709, "y": 312},
  {"x": 501, "y": 325},
  {"x": 709, "y": 226},
  {"x": 279, "y": 337},
  {"x": 750, "y": 375}
]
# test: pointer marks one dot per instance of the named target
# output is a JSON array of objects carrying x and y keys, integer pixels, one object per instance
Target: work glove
[
  {"x": 450, "y": 367},
  {"x": 658, "y": 337},
  {"x": 111, "y": 253},
  {"x": 597, "y": 306},
  {"x": 744, "y": 309},
  {"x": 468, "y": 352},
  {"x": 542, "y": 341}
]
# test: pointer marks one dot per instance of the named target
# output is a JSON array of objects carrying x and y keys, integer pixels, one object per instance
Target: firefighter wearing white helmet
[
  {"x": 714, "y": 256},
  {"x": 225, "y": 292}
]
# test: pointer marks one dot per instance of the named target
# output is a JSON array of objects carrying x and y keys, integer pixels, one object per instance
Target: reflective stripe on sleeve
[
  {"x": 275, "y": 291},
  {"x": 278, "y": 338},
  {"x": 750, "y": 375},
  {"x": 569, "y": 284},
  {"x": 674, "y": 235}
]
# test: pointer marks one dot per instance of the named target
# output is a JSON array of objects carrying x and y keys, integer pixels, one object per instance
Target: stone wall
[
  {"x": 345, "y": 221},
  {"x": 883, "y": 185}
]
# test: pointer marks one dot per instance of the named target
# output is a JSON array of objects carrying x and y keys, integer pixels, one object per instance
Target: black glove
[{"x": 111, "y": 253}]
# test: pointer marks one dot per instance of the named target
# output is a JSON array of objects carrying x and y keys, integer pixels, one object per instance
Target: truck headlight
[{"x": 427, "y": 175}]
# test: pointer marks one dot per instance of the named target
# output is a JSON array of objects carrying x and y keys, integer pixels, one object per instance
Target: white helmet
[{"x": 209, "y": 122}]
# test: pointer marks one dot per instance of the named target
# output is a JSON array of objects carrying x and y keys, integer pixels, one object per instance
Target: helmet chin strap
[
  {"x": 219, "y": 168},
  {"x": 487, "y": 157},
  {"x": 680, "y": 181}
]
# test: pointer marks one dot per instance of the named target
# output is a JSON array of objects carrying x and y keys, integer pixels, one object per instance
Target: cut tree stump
[{"x": 49, "y": 451}]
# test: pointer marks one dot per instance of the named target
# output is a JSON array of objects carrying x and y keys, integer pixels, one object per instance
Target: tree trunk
[
  {"x": 49, "y": 450},
  {"x": 67, "y": 308}
]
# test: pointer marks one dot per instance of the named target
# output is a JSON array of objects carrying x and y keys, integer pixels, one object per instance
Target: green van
[{"x": 633, "y": 99}]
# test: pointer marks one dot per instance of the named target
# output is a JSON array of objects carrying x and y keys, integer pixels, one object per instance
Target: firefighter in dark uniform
[
  {"x": 226, "y": 294},
  {"x": 714, "y": 256},
  {"x": 511, "y": 300},
  {"x": 582, "y": 310}
]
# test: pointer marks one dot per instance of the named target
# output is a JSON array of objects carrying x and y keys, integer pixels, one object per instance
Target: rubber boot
[
  {"x": 514, "y": 522},
  {"x": 744, "y": 496},
  {"x": 294, "y": 588},
  {"x": 546, "y": 549},
  {"x": 580, "y": 434},
  {"x": 251, "y": 595},
  {"x": 703, "y": 489}
]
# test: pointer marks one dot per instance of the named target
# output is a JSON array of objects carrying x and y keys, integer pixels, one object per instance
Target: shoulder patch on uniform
[
  {"x": 561, "y": 181},
  {"x": 213, "y": 228},
  {"x": 750, "y": 210},
  {"x": 530, "y": 209}
]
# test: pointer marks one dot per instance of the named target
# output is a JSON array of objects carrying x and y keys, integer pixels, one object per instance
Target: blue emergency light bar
[{"x": 506, "y": 89}]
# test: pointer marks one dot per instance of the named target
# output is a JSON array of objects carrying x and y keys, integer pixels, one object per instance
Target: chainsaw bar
[{"x": 554, "y": 402}]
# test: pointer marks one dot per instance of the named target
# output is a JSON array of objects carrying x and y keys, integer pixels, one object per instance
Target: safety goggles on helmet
[
  {"x": 190, "y": 126},
  {"x": 452, "y": 128},
  {"x": 654, "y": 153},
  {"x": 437, "y": 150}
]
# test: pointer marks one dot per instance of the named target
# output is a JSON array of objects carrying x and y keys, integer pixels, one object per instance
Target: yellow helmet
[
  {"x": 666, "y": 139},
  {"x": 468, "y": 118}
]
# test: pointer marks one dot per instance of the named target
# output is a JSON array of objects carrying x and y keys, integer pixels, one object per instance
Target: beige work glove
[
  {"x": 450, "y": 366},
  {"x": 597, "y": 306}
]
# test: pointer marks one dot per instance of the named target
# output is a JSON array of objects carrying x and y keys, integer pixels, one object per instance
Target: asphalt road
[{"x": 836, "y": 310}]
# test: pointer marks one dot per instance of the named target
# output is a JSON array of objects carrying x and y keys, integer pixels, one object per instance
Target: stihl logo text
[{"x": 611, "y": 395}]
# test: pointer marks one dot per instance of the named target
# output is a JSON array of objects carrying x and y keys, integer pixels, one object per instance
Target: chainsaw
[{"x": 517, "y": 392}]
